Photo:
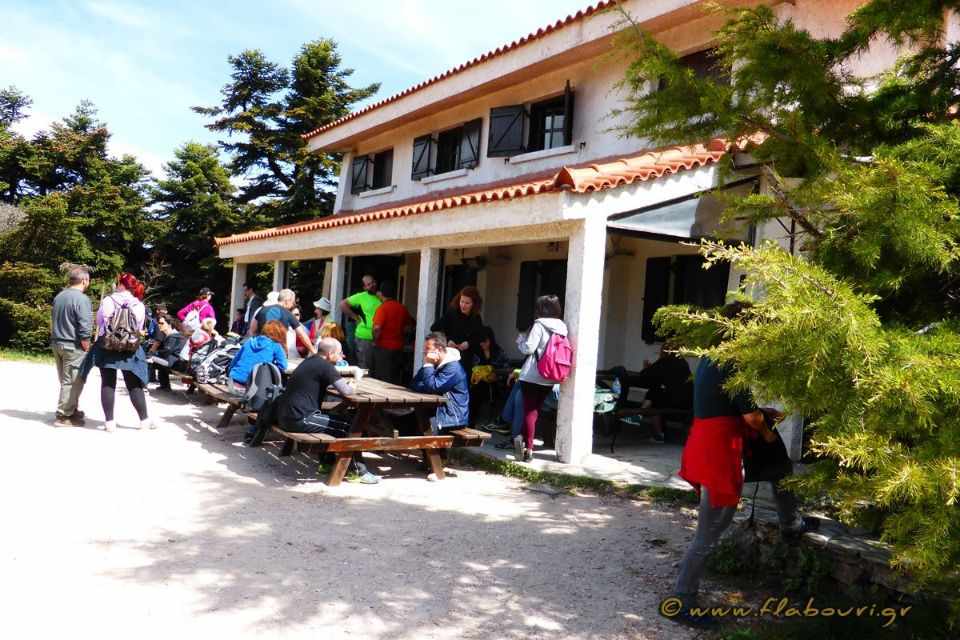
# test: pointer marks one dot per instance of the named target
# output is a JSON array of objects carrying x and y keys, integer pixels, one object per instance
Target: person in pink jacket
[{"x": 202, "y": 306}]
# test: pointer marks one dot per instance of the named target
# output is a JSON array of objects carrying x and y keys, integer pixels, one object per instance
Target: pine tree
[
  {"x": 194, "y": 203},
  {"x": 861, "y": 333},
  {"x": 268, "y": 108}
]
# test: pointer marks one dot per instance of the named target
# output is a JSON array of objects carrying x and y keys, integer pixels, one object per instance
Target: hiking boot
[
  {"x": 77, "y": 419},
  {"x": 518, "y": 447},
  {"x": 63, "y": 421},
  {"x": 807, "y": 524}
]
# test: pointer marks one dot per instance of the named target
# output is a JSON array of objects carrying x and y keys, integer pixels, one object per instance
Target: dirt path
[{"x": 184, "y": 533}]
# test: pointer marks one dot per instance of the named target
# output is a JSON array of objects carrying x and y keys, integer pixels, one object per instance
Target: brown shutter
[
  {"x": 470, "y": 144},
  {"x": 506, "y": 131},
  {"x": 358, "y": 174},
  {"x": 422, "y": 150}
]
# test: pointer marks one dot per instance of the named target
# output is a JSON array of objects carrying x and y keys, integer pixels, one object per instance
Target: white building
[{"x": 507, "y": 172}]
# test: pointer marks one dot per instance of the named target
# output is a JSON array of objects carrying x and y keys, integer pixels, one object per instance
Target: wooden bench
[
  {"x": 221, "y": 393},
  {"x": 345, "y": 448},
  {"x": 185, "y": 378}
]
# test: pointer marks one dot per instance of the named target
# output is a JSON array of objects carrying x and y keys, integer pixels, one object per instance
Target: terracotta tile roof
[
  {"x": 499, "y": 51},
  {"x": 607, "y": 173}
]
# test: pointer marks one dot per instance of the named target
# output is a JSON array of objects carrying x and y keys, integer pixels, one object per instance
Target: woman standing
[
  {"x": 201, "y": 305},
  {"x": 534, "y": 387},
  {"x": 462, "y": 325},
  {"x": 110, "y": 357}
]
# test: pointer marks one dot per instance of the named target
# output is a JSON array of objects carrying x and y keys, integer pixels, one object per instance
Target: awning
[{"x": 690, "y": 218}]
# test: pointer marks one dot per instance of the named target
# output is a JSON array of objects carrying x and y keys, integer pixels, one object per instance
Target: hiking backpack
[
  {"x": 556, "y": 361},
  {"x": 123, "y": 330},
  {"x": 211, "y": 363},
  {"x": 265, "y": 386}
]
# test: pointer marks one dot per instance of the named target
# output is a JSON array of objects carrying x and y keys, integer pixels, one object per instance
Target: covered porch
[{"x": 604, "y": 238}]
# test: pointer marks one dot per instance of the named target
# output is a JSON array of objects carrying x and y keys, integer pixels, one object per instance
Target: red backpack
[{"x": 556, "y": 362}]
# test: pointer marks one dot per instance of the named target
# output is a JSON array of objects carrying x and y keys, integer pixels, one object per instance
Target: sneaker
[
  {"x": 63, "y": 421},
  {"x": 146, "y": 423},
  {"x": 78, "y": 414},
  {"x": 432, "y": 477},
  {"x": 518, "y": 447},
  {"x": 368, "y": 478},
  {"x": 110, "y": 426},
  {"x": 528, "y": 455},
  {"x": 77, "y": 419}
]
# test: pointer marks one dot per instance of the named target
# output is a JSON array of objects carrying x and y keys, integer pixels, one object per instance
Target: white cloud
[
  {"x": 118, "y": 13},
  {"x": 152, "y": 161}
]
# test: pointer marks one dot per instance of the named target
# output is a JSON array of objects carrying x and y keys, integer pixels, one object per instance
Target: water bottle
[{"x": 615, "y": 387}]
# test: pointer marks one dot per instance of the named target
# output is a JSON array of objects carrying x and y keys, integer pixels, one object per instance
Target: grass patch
[
  {"x": 570, "y": 482},
  {"x": 25, "y": 356}
]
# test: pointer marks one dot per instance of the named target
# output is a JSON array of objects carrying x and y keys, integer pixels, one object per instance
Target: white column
[
  {"x": 338, "y": 268},
  {"x": 585, "y": 260},
  {"x": 236, "y": 286},
  {"x": 278, "y": 268},
  {"x": 426, "y": 299}
]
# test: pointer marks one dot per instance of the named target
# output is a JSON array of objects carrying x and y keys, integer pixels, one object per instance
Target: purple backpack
[{"x": 556, "y": 362}]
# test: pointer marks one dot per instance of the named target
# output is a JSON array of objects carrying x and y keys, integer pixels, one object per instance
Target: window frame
[
  {"x": 369, "y": 162},
  {"x": 449, "y": 142},
  {"x": 532, "y": 118}
]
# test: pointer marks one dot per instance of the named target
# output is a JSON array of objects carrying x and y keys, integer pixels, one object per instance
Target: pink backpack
[{"x": 557, "y": 360}]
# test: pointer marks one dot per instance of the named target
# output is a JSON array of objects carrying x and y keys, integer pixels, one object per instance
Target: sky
[{"x": 144, "y": 64}]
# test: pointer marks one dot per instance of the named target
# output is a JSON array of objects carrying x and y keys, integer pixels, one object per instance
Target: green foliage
[
  {"x": 862, "y": 334},
  {"x": 27, "y": 328},
  {"x": 193, "y": 205},
  {"x": 269, "y": 108},
  {"x": 28, "y": 283}
]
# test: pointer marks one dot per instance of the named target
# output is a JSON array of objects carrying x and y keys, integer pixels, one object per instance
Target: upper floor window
[
  {"x": 371, "y": 171},
  {"x": 704, "y": 64},
  {"x": 521, "y": 128},
  {"x": 444, "y": 151}
]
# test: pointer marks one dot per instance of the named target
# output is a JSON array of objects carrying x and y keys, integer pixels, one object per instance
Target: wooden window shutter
[
  {"x": 506, "y": 131},
  {"x": 656, "y": 289},
  {"x": 470, "y": 144},
  {"x": 422, "y": 152},
  {"x": 568, "y": 114},
  {"x": 358, "y": 174}
]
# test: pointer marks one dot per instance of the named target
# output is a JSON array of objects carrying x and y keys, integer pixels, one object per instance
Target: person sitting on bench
[
  {"x": 166, "y": 355},
  {"x": 668, "y": 382},
  {"x": 442, "y": 374},
  {"x": 298, "y": 409},
  {"x": 266, "y": 347}
]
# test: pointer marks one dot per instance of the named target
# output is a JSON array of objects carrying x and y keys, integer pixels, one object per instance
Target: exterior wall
[{"x": 592, "y": 135}]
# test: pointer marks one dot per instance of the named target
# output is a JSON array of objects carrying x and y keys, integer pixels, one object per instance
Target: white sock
[{"x": 110, "y": 425}]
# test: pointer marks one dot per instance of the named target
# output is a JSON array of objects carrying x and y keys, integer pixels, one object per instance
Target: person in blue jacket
[
  {"x": 269, "y": 346},
  {"x": 442, "y": 374}
]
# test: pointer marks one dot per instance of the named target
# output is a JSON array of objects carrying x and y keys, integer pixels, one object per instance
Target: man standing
[
  {"x": 250, "y": 307},
  {"x": 70, "y": 330},
  {"x": 391, "y": 324},
  {"x": 368, "y": 301},
  {"x": 286, "y": 300}
]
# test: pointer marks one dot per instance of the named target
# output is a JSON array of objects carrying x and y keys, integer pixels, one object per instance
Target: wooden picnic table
[{"x": 371, "y": 395}]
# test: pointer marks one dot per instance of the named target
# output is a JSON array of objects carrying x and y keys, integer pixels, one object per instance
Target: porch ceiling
[{"x": 607, "y": 174}]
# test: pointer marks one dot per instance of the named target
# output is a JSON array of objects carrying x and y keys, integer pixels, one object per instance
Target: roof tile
[
  {"x": 588, "y": 178},
  {"x": 499, "y": 51}
]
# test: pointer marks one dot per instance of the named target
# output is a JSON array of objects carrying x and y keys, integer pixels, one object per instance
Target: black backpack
[{"x": 265, "y": 386}]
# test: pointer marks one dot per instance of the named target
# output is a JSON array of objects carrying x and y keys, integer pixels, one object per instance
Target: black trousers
[{"x": 387, "y": 365}]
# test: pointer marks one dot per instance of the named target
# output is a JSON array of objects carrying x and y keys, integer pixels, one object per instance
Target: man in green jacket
[{"x": 367, "y": 301}]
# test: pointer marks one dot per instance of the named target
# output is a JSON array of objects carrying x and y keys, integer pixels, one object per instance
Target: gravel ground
[{"x": 184, "y": 531}]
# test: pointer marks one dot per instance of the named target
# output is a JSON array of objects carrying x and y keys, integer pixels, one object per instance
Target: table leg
[
  {"x": 227, "y": 416},
  {"x": 432, "y": 458},
  {"x": 362, "y": 420},
  {"x": 339, "y": 469}
]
